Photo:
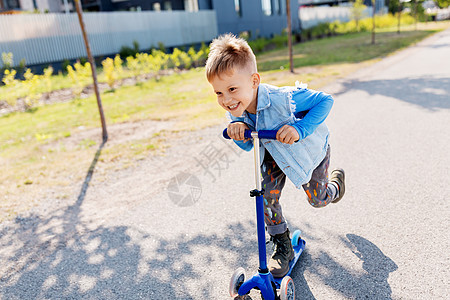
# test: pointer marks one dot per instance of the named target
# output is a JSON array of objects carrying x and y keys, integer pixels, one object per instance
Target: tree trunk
[
  {"x": 373, "y": 22},
  {"x": 93, "y": 68},
  {"x": 288, "y": 13}
]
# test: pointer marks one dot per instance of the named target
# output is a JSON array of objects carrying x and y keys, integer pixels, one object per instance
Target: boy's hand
[
  {"x": 287, "y": 134},
  {"x": 236, "y": 131}
]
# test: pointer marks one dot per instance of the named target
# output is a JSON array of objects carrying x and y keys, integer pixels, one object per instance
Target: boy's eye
[
  {"x": 218, "y": 93},
  {"x": 232, "y": 89}
]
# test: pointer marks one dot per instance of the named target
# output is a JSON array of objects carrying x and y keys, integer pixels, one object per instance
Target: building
[{"x": 260, "y": 18}]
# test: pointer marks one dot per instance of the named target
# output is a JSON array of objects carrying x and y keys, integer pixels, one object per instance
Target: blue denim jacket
[{"x": 276, "y": 108}]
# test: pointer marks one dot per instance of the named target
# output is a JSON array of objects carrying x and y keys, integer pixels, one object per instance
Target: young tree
[{"x": 357, "y": 11}]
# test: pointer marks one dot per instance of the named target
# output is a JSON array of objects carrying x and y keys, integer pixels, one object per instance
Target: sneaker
[
  {"x": 282, "y": 255},
  {"x": 338, "y": 177}
]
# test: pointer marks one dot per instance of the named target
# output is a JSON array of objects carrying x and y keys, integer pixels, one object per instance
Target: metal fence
[{"x": 45, "y": 38}]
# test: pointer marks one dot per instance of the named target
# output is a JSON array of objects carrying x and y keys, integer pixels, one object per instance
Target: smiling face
[{"x": 237, "y": 91}]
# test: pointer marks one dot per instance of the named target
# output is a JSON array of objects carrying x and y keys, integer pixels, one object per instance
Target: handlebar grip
[
  {"x": 247, "y": 134},
  {"x": 225, "y": 134},
  {"x": 262, "y": 134},
  {"x": 268, "y": 134}
]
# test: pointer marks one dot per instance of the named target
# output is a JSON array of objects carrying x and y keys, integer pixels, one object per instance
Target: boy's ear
[{"x": 256, "y": 80}]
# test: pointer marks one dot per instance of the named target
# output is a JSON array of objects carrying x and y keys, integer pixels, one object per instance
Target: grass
[
  {"x": 53, "y": 146},
  {"x": 350, "y": 48}
]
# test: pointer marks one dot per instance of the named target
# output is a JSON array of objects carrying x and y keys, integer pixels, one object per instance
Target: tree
[
  {"x": 443, "y": 3},
  {"x": 357, "y": 11},
  {"x": 394, "y": 6}
]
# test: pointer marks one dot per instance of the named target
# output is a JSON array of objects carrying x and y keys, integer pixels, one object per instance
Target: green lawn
[{"x": 351, "y": 48}]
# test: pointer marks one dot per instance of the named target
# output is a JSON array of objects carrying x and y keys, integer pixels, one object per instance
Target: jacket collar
[
  {"x": 263, "y": 103},
  {"x": 263, "y": 98}
]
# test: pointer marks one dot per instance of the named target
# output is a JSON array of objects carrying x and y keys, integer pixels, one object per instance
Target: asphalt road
[{"x": 139, "y": 237}]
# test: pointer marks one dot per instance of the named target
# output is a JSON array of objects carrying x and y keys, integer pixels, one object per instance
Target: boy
[{"x": 301, "y": 151}]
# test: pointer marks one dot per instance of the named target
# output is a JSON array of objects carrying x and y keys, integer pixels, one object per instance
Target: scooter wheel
[
  {"x": 296, "y": 238},
  {"x": 237, "y": 279},
  {"x": 287, "y": 289}
]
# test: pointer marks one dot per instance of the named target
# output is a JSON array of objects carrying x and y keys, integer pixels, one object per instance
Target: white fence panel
[
  {"x": 312, "y": 16},
  {"x": 48, "y": 38}
]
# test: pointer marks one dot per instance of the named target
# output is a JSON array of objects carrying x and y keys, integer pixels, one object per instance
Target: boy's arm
[
  {"x": 314, "y": 105},
  {"x": 248, "y": 145}
]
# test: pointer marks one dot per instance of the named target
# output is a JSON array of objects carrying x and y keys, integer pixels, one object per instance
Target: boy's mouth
[{"x": 233, "y": 107}]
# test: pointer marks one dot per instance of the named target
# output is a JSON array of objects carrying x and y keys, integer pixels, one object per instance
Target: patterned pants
[{"x": 318, "y": 190}]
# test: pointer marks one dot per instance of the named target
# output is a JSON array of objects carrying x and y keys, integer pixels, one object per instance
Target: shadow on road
[
  {"x": 110, "y": 263},
  {"x": 431, "y": 93},
  {"x": 371, "y": 285},
  {"x": 62, "y": 257},
  {"x": 89, "y": 174}
]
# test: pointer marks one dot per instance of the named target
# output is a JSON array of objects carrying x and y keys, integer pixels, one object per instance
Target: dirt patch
[
  {"x": 117, "y": 134},
  {"x": 57, "y": 177},
  {"x": 130, "y": 185}
]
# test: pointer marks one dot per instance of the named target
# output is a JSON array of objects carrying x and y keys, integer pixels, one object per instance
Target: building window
[
  {"x": 167, "y": 5},
  {"x": 9, "y": 4},
  {"x": 237, "y": 7},
  {"x": 157, "y": 6},
  {"x": 191, "y": 5},
  {"x": 267, "y": 7},
  {"x": 276, "y": 7},
  {"x": 282, "y": 7}
]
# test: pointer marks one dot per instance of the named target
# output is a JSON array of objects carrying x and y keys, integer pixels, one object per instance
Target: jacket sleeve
[
  {"x": 245, "y": 146},
  {"x": 311, "y": 108}
]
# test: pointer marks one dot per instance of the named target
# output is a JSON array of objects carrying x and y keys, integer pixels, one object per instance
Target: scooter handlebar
[{"x": 262, "y": 134}]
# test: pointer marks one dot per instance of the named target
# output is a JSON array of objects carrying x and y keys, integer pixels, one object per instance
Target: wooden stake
[
  {"x": 93, "y": 68},
  {"x": 288, "y": 12},
  {"x": 373, "y": 21}
]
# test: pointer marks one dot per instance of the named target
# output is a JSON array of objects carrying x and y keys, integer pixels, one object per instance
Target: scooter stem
[
  {"x": 261, "y": 231},
  {"x": 257, "y": 162}
]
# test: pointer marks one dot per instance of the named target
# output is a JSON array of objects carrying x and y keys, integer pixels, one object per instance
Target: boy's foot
[
  {"x": 338, "y": 177},
  {"x": 283, "y": 254}
]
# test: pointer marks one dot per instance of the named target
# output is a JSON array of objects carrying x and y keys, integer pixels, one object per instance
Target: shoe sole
[{"x": 341, "y": 188}]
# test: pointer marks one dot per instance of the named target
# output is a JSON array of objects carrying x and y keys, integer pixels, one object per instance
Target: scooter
[{"x": 263, "y": 279}]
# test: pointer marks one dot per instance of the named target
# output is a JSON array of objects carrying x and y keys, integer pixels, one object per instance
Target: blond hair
[{"x": 228, "y": 52}]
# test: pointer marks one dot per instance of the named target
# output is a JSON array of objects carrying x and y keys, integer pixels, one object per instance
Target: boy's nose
[{"x": 228, "y": 101}]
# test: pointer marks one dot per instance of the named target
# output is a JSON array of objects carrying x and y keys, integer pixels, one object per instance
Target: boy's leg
[
  {"x": 273, "y": 182},
  {"x": 320, "y": 191}
]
